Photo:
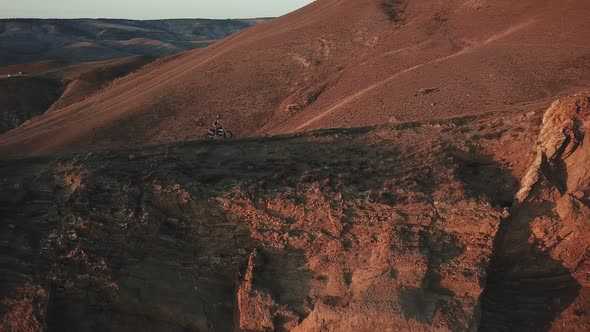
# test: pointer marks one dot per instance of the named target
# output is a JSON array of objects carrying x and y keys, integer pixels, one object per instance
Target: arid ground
[{"x": 399, "y": 165}]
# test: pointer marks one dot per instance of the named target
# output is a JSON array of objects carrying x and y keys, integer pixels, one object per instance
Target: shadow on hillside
[
  {"x": 283, "y": 273},
  {"x": 184, "y": 256},
  {"x": 526, "y": 289},
  {"x": 484, "y": 178}
]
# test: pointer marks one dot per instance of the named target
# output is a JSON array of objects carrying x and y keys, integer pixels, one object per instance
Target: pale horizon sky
[{"x": 148, "y": 9}]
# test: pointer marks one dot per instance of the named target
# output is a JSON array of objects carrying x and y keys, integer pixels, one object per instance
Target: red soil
[{"x": 337, "y": 63}]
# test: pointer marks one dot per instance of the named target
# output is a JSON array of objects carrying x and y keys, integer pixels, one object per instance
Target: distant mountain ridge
[{"x": 81, "y": 40}]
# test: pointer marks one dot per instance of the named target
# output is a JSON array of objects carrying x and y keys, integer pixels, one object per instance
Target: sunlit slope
[{"x": 337, "y": 63}]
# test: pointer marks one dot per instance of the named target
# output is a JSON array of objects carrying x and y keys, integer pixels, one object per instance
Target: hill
[
  {"x": 72, "y": 59},
  {"x": 337, "y": 63},
  {"x": 83, "y": 40},
  {"x": 48, "y": 85}
]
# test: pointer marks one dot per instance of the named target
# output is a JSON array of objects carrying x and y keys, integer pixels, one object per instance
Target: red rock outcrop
[
  {"x": 362, "y": 229},
  {"x": 384, "y": 228},
  {"x": 540, "y": 272}
]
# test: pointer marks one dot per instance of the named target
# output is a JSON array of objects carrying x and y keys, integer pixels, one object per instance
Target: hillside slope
[
  {"x": 82, "y": 40},
  {"x": 338, "y": 63},
  {"x": 399, "y": 227},
  {"x": 48, "y": 85}
]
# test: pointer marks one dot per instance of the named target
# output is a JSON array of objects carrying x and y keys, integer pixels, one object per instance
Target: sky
[{"x": 147, "y": 9}]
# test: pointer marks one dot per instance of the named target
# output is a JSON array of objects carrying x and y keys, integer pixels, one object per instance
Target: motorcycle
[{"x": 212, "y": 133}]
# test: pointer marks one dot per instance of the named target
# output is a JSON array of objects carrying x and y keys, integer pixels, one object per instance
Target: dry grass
[{"x": 24, "y": 310}]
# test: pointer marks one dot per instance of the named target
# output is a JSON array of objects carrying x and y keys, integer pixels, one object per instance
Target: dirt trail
[
  {"x": 474, "y": 55},
  {"x": 382, "y": 83}
]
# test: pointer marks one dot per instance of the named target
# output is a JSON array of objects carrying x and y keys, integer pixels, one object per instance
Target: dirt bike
[{"x": 212, "y": 133}]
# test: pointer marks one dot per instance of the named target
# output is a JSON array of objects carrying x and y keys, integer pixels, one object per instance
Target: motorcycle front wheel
[{"x": 228, "y": 134}]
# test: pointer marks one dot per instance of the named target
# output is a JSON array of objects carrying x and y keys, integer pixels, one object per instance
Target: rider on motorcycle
[
  {"x": 218, "y": 130},
  {"x": 217, "y": 124}
]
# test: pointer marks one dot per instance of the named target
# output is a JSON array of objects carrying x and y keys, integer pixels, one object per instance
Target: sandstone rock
[
  {"x": 564, "y": 128},
  {"x": 366, "y": 232}
]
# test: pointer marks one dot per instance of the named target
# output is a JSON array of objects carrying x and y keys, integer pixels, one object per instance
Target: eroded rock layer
[
  {"x": 368, "y": 229},
  {"x": 539, "y": 275}
]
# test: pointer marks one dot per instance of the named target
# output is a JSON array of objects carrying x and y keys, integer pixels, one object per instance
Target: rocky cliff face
[
  {"x": 387, "y": 228},
  {"x": 539, "y": 276}
]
